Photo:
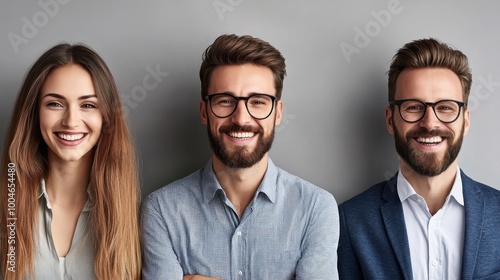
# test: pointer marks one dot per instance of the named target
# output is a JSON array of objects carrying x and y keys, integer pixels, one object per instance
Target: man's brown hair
[
  {"x": 430, "y": 53},
  {"x": 237, "y": 50}
]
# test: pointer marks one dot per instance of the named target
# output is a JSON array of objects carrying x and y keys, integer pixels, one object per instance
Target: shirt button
[
  {"x": 240, "y": 273},
  {"x": 434, "y": 223},
  {"x": 238, "y": 233},
  {"x": 435, "y": 263}
]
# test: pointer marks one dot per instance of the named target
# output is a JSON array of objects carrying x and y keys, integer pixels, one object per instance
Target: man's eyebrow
[
  {"x": 231, "y": 93},
  {"x": 58, "y": 96}
]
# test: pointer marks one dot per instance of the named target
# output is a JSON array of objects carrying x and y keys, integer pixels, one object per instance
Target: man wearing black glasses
[
  {"x": 430, "y": 221},
  {"x": 240, "y": 217}
]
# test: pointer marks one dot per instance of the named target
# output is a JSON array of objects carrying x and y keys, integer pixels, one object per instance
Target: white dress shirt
[{"x": 436, "y": 242}]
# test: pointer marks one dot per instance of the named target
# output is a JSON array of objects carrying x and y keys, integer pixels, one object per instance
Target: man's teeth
[
  {"x": 70, "y": 137},
  {"x": 432, "y": 140},
  {"x": 241, "y": 135}
]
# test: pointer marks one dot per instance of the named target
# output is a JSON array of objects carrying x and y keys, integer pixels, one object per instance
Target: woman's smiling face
[{"x": 70, "y": 118}]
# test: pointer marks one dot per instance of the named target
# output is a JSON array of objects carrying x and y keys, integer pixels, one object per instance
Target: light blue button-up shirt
[{"x": 290, "y": 230}]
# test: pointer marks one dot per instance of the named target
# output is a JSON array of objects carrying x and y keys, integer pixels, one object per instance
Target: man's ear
[
  {"x": 466, "y": 121},
  {"x": 279, "y": 112},
  {"x": 203, "y": 112},
  {"x": 388, "y": 119}
]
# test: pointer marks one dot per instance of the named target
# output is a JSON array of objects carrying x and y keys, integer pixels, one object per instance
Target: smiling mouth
[
  {"x": 429, "y": 140},
  {"x": 241, "y": 135},
  {"x": 70, "y": 137}
]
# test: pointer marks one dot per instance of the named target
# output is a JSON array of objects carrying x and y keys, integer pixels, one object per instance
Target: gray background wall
[{"x": 337, "y": 54}]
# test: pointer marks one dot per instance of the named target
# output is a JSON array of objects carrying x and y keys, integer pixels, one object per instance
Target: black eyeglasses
[
  {"x": 259, "y": 106},
  {"x": 413, "y": 110}
]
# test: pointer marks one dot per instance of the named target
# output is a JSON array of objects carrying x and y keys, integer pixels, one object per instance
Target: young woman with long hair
[{"x": 69, "y": 187}]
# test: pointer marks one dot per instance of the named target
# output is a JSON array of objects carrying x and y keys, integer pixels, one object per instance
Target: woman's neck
[{"x": 67, "y": 182}]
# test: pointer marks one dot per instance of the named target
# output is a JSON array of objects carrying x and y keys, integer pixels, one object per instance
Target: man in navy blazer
[{"x": 430, "y": 221}]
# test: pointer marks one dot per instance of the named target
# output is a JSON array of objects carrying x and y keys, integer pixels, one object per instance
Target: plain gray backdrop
[{"x": 337, "y": 52}]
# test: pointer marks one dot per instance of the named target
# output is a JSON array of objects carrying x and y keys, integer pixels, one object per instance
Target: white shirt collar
[{"x": 405, "y": 190}]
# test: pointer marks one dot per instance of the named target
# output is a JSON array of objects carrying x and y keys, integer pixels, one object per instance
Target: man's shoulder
[
  {"x": 485, "y": 190},
  {"x": 178, "y": 188},
  {"x": 490, "y": 191},
  {"x": 371, "y": 197},
  {"x": 295, "y": 183}
]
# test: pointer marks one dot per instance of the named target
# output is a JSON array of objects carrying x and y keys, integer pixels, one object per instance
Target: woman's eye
[
  {"x": 88, "y": 106},
  {"x": 54, "y": 104}
]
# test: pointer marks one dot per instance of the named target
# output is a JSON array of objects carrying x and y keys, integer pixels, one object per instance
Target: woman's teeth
[{"x": 70, "y": 137}]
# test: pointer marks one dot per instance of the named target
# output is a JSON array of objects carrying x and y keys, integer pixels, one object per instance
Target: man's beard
[
  {"x": 240, "y": 157},
  {"x": 428, "y": 164}
]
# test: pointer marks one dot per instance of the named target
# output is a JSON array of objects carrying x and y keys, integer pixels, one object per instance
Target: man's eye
[
  {"x": 414, "y": 108},
  {"x": 444, "y": 108},
  {"x": 259, "y": 102},
  {"x": 225, "y": 102}
]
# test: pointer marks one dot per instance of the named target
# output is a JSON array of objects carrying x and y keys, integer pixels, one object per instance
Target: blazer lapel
[
  {"x": 393, "y": 217},
  {"x": 474, "y": 207}
]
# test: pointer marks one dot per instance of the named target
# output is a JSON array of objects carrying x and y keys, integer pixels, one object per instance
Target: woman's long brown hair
[{"x": 114, "y": 186}]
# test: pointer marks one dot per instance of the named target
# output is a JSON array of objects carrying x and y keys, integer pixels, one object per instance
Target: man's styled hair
[
  {"x": 430, "y": 53},
  {"x": 236, "y": 50}
]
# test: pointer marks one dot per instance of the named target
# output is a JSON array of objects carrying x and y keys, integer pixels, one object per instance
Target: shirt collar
[
  {"x": 405, "y": 190},
  {"x": 457, "y": 188},
  {"x": 269, "y": 184},
  {"x": 210, "y": 184},
  {"x": 43, "y": 192}
]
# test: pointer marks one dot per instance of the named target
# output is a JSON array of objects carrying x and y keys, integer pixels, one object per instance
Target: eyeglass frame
[
  {"x": 427, "y": 104},
  {"x": 238, "y": 98}
]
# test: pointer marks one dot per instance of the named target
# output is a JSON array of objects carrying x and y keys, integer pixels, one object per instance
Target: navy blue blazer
[{"x": 374, "y": 244}]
